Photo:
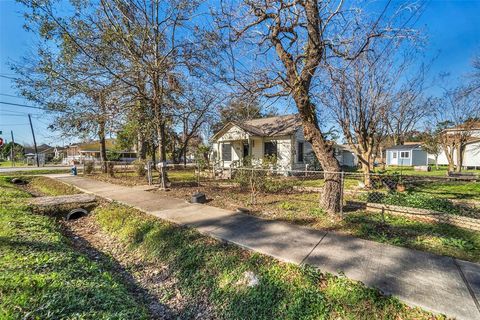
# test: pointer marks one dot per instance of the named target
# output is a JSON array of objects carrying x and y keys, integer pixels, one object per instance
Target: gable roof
[
  {"x": 41, "y": 149},
  {"x": 266, "y": 127},
  {"x": 94, "y": 146},
  {"x": 469, "y": 125},
  {"x": 405, "y": 147}
]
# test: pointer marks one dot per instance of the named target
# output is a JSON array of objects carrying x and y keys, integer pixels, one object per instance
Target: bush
[
  {"x": 414, "y": 200},
  {"x": 139, "y": 166},
  {"x": 111, "y": 168},
  {"x": 89, "y": 167}
]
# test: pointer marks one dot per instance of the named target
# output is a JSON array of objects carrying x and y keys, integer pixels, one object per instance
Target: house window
[
  {"x": 300, "y": 152},
  {"x": 394, "y": 155},
  {"x": 270, "y": 148},
  {"x": 226, "y": 152},
  {"x": 405, "y": 154}
]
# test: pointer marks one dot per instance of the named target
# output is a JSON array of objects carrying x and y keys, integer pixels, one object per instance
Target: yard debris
[{"x": 249, "y": 279}]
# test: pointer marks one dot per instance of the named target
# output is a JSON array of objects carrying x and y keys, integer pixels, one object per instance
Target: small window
[
  {"x": 226, "y": 152},
  {"x": 405, "y": 154},
  {"x": 270, "y": 148},
  {"x": 394, "y": 155},
  {"x": 300, "y": 152}
]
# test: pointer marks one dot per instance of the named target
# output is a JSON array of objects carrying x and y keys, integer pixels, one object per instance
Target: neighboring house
[
  {"x": 89, "y": 151},
  {"x": 280, "y": 136},
  {"x": 471, "y": 157},
  {"x": 45, "y": 153},
  {"x": 407, "y": 155}
]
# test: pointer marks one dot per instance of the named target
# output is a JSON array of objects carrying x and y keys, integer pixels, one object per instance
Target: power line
[
  {"x": 22, "y": 105},
  {"x": 7, "y": 77},
  {"x": 11, "y": 95}
]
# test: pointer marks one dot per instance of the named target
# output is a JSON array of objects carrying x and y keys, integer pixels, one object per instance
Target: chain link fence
[{"x": 293, "y": 191}]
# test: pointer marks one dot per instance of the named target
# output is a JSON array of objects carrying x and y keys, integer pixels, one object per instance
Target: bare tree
[
  {"x": 150, "y": 45},
  {"x": 431, "y": 143},
  {"x": 457, "y": 115},
  {"x": 359, "y": 96},
  {"x": 409, "y": 107},
  {"x": 296, "y": 40}
]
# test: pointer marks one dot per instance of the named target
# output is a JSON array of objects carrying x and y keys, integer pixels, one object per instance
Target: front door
[{"x": 246, "y": 149}]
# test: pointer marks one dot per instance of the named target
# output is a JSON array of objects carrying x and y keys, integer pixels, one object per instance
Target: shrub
[
  {"x": 111, "y": 168},
  {"x": 89, "y": 167},
  {"x": 139, "y": 166},
  {"x": 414, "y": 200}
]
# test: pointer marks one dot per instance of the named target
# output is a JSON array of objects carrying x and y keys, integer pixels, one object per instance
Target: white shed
[{"x": 407, "y": 155}]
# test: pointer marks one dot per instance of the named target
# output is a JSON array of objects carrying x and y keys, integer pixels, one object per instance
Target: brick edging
[{"x": 426, "y": 215}]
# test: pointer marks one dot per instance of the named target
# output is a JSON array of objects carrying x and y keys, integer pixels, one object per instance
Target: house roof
[
  {"x": 344, "y": 147},
  {"x": 94, "y": 146},
  {"x": 41, "y": 149},
  {"x": 405, "y": 147},
  {"x": 267, "y": 127},
  {"x": 470, "y": 125}
]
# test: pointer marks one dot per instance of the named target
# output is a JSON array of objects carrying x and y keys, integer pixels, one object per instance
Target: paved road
[
  {"x": 14, "y": 169},
  {"x": 436, "y": 283}
]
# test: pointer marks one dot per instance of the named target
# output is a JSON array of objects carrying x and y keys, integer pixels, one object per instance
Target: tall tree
[
  {"x": 239, "y": 109},
  {"x": 296, "y": 40},
  {"x": 457, "y": 114},
  {"x": 359, "y": 96}
]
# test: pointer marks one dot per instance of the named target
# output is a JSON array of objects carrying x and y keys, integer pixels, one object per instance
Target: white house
[
  {"x": 407, "y": 155},
  {"x": 280, "y": 136},
  {"x": 471, "y": 157}
]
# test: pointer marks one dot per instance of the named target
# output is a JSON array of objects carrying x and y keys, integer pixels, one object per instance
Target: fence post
[
  {"x": 342, "y": 178},
  {"x": 198, "y": 174}
]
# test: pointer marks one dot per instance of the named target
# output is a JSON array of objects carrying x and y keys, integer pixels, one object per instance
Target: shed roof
[{"x": 405, "y": 147}]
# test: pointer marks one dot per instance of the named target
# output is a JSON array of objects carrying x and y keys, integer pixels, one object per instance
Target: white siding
[
  {"x": 284, "y": 153},
  {"x": 472, "y": 155},
  {"x": 234, "y": 133}
]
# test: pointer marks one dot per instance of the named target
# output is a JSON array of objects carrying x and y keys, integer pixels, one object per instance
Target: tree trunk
[
  {"x": 449, "y": 154},
  {"x": 332, "y": 191},
  {"x": 460, "y": 150},
  {"x": 162, "y": 148},
  {"x": 103, "y": 147},
  {"x": 185, "y": 157},
  {"x": 162, "y": 143},
  {"x": 141, "y": 146}
]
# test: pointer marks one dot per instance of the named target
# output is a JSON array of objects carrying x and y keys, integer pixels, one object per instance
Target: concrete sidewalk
[{"x": 436, "y": 283}]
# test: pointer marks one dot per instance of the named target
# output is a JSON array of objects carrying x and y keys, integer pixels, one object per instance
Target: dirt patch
[{"x": 151, "y": 282}]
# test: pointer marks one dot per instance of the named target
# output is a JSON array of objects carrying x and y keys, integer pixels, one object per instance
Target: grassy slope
[
  {"x": 42, "y": 277},
  {"x": 207, "y": 267},
  {"x": 33, "y": 172}
]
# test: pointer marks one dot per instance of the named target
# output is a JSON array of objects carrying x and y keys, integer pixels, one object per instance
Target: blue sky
[{"x": 452, "y": 29}]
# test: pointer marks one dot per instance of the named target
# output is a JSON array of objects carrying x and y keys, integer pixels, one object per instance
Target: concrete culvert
[
  {"x": 76, "y": 213},
  {"x": 18, "y": 181}
]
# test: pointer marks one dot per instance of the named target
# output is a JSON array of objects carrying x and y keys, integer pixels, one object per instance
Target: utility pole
[
  {"x": 34, "y": 141},
  {"x": 12, "y": 151}
]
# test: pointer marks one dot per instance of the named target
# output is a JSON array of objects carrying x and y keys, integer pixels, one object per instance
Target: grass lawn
[
  {"x": 10, "y": 164},
  {"x": 440, "y": 172},
  {"x": 43, "y": 277},
  {"x": 303, "y": 208},
  {"x": 450, "y": 190},
  {"x": 34, "y": 172},
  {"x": 215, "y": 270}
]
